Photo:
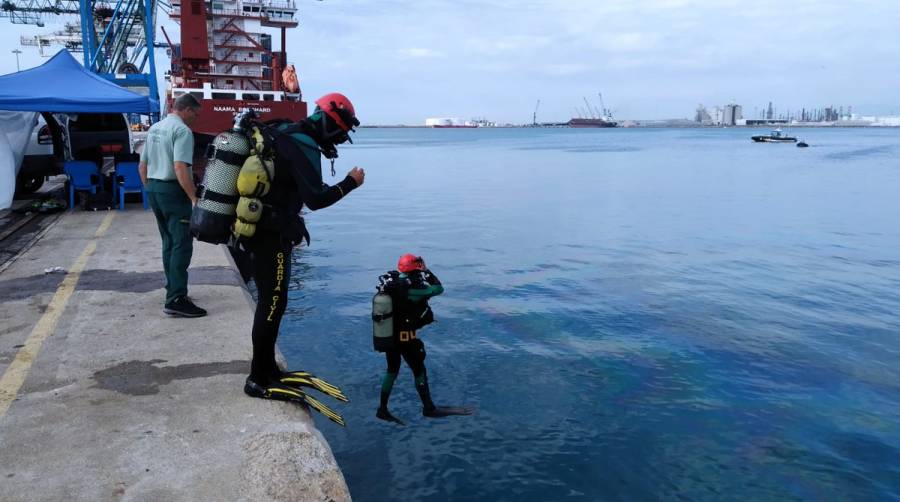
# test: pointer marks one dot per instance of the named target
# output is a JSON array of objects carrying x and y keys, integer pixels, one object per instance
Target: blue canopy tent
[{"x": 62, "y": 85}]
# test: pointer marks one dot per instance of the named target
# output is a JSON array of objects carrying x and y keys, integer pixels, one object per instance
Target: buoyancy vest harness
[
  {"x": 254, "y": 181},
  {"x": 395, "y": 317}
]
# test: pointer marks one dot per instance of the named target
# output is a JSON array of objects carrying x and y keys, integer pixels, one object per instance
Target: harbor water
[{"x": 637, "y": 314}]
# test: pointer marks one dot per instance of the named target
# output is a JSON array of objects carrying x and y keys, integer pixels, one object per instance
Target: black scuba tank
[
  {"x": 382, "y": 322},
  {"x": 213, "y": 216}
]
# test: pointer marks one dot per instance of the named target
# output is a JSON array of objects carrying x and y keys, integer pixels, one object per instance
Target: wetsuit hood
[{"x": 325, "y": 132}]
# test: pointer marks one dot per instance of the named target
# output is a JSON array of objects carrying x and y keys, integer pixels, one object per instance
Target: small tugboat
[{"x": 777, "y": 136}]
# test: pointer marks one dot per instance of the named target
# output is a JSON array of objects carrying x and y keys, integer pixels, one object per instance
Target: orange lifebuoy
[{"x": 289, "y": 77}]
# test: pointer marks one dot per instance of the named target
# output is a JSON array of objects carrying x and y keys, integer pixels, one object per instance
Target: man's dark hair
[{"x": 186, "y": 101}]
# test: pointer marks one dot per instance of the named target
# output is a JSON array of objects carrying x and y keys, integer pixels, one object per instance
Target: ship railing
[
  {"x": 277, "y": 15},
  {"x": 234, "y": 44},
  {"x": 254, "y": 11},
  {"x": 236, "y": 71},
  {"x": 265, "y": 12},
  {"x": 279, "y": 5},
  {"x": 223, "y": 93},
  {"x": 234, "y": 12}
]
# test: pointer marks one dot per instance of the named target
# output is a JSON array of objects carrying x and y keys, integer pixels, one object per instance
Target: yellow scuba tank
[
  {"x": 213, "y": 216},
  {"x": 253, "y": 182},
  {"x": 382, "y": 322}
]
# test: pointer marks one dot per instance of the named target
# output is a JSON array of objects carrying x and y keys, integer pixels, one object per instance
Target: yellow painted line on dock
[{"x": 15, "y": 374}]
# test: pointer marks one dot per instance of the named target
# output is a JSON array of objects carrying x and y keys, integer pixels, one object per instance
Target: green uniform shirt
[{"x": 168, "y": 141}]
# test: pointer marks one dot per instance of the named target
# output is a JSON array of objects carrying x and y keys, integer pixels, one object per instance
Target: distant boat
[
  {"x": 601, "y": 122},
  {"x": 777, "y": 136}
]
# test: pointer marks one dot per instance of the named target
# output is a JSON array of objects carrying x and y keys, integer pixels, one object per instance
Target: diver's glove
[{"x": 430, "y": 278}]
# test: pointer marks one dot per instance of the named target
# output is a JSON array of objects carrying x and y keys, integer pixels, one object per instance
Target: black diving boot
[
  {"x": 385, "y": 415},
  {"x": 428, "y": 407},
  {"x": 387, "y": 384}
]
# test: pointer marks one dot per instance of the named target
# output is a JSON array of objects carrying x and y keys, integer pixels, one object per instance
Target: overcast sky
[{"x": 402, "y": 61}]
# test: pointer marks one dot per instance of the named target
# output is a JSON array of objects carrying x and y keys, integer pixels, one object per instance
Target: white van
[{"x": 83, "y": 136}]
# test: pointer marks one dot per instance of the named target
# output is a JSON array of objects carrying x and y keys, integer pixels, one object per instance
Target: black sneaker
[{"x": 183, "y": 307}]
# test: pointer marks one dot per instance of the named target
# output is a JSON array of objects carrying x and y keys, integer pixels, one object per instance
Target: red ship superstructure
[{"x": 227, "y": 62}]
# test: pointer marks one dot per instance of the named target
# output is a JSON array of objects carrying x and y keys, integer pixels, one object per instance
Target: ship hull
[
  {"x": 770, "y": 139},
  {"x": 591, "y": 123},
  {"x": 217, "y": 115}
]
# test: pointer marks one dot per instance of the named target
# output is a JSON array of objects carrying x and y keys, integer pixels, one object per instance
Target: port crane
[
  {"x": 115, "y": 36},
  {"x": 591, "y": 113},
  {"x": 605, "y": 112}
]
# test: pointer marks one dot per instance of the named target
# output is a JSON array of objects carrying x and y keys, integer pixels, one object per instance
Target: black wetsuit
[{"x": 298, "y": 182}]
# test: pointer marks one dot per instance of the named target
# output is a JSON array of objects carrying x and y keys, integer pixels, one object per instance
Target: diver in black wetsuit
[
  {"x": 409, "y": 287},
  {"x": 298, "y": 173}
]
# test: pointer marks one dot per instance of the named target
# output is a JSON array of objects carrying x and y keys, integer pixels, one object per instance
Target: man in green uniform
[{"x": 166, "y": 173}]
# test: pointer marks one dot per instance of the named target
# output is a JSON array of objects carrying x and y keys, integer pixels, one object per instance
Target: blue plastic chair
[
  {"x": 83, "y": 175},
  {"x": 128, "y": 180}
]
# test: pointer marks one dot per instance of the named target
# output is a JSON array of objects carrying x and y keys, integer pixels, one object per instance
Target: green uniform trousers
[{"x": 172, "y": 209}]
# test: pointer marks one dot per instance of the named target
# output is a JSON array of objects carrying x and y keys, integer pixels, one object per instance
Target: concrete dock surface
[{"x": 104, "y": 397}]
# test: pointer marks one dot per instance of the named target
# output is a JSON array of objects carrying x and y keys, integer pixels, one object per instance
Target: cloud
[
  {"x": 564, "y": 69},
  {"x": 661, "y": 56},
  {"x": 419, "y": 53},
  {"x": 633, "y": 41},
  {"x": 499, "y": 44}
]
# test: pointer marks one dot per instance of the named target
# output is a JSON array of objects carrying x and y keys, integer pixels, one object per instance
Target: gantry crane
[{"x": 116, "y": 36}]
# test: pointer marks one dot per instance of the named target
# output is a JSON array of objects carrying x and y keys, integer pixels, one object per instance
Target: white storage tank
[{"x": 440, "y": 122}]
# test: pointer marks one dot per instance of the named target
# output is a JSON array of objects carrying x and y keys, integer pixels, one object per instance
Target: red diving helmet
[
  {"x": 340, "y": 109},
  {"x": 410, "y": 262}
]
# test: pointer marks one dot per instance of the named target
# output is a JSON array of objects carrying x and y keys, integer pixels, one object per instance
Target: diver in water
[
  {"x": 399, "y": 309},
  {"x": 298, "y": 169}
]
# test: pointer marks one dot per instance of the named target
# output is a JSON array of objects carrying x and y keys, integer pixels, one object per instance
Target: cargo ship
[
  {"x": 594, "y": 117},
  {"x": 592, "y": 122},
  {"x": 227, "y": 62}
]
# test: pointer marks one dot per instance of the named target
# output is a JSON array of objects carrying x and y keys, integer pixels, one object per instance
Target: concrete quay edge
[{"x": 107, "y": 398}]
